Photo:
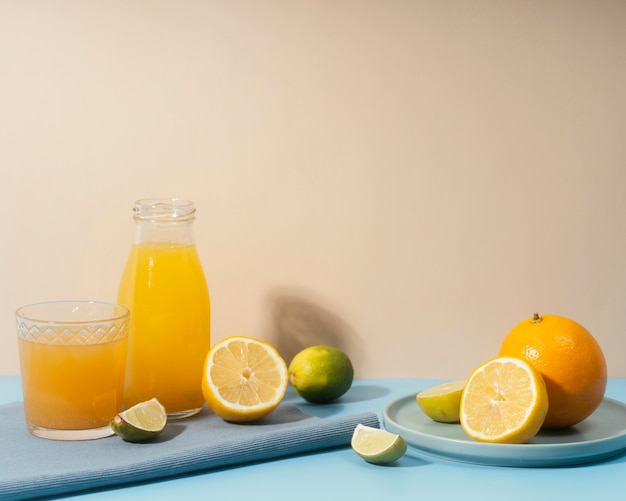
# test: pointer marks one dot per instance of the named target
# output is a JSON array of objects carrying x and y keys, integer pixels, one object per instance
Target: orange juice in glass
[
  {"x": 72, "y": 358},
  {"x": 164, "y": 287}
]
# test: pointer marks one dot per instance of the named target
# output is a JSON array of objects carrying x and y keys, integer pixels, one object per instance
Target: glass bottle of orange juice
[{"x": 164, "y": 287}]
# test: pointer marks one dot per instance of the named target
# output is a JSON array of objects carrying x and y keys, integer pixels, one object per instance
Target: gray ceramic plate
[{"x": 601, "y": 435}]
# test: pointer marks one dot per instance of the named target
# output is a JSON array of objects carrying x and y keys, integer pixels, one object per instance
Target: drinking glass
[{"x": 72, "y": 359}]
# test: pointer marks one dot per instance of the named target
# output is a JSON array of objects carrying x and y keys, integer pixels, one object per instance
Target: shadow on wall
[{"x": 298, "y": 323}]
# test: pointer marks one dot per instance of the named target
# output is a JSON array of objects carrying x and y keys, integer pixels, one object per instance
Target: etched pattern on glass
[{"x": 69, "y": 334}]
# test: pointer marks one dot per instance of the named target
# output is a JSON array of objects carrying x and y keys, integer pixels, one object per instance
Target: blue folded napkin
[{"x": 32, "y": 466}]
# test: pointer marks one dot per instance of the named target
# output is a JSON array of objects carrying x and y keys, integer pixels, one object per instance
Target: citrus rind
[
  {"x": 504, "y": 401},
  {"x": 570, "y": 360},
  {"x": 377, "y": 446},
  {"x": 442, "y": 403},
  {"x": 143, "y": 421},
  {"x": 321, "y": 373},
  {"x": 244, "y": 379}
]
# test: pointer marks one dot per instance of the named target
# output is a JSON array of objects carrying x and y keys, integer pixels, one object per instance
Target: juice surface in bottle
[{"x": 164, "y": 287}]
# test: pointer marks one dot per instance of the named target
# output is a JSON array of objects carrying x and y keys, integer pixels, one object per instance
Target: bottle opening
[{"x": 164, "y": 210}]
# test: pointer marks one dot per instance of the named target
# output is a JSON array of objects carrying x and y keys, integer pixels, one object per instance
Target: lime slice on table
[
  {"x": 442, "y": 403},
  {"x": 143, "y": 421},
  {"x": 377, "y": 446}
]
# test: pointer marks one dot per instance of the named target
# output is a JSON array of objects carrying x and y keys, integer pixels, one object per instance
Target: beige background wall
[{"x": 405, "y": 179}]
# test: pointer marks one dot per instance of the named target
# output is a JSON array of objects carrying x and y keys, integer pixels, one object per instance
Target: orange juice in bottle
[{"x": 164, "y": 287}]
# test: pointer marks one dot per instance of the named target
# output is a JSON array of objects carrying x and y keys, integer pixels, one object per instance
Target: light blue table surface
[{"x": 341, "y": 474}]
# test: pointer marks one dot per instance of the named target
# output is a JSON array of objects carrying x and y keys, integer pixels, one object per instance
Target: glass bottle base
[{"x": 183, "y": 414}]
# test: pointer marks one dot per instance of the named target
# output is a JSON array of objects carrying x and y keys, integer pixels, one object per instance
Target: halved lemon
[
  {"x": 377, "y": 446},
  {"x": 442, "y": 403},
  {"x": 244, "y": 378},
  {"x": 143, "y": 421},
  {"x": 504, "y": 401}
]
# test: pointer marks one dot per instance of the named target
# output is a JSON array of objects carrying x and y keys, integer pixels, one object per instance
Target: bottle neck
[
  {"x": 164, "y": 221},
  {"x": 172, "y": 234}
]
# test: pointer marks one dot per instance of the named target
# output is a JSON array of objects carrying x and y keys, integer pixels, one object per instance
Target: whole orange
[{"x": 569, "y": 359}]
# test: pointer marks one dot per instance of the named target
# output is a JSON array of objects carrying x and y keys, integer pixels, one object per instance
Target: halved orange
[
  {"x": 244, "y": 378},
  {"x": 504, "y": 401}
]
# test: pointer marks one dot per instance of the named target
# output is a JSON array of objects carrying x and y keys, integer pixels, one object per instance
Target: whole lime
[{"x": 321, "y": 373}]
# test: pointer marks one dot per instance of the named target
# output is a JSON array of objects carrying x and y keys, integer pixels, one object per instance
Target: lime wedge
[
  {"x": 143, "y": 421},
  {"x": 377, "y": 446},
  {"x": 442, "y": 402}
]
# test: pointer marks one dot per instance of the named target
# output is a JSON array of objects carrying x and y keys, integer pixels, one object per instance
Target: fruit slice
[
  {"x": 504, "y": 401},
  {"x": 377, "y": 446},
  {"x": 442, "y": 402},
  {"x": 244, "y": 379},
  {"x": 141, "y": 422}
]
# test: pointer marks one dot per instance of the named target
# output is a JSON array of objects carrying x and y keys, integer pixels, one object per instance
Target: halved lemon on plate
[
  {"x": 442, "y": 403},
  {"x": 504, "y": 401}
]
